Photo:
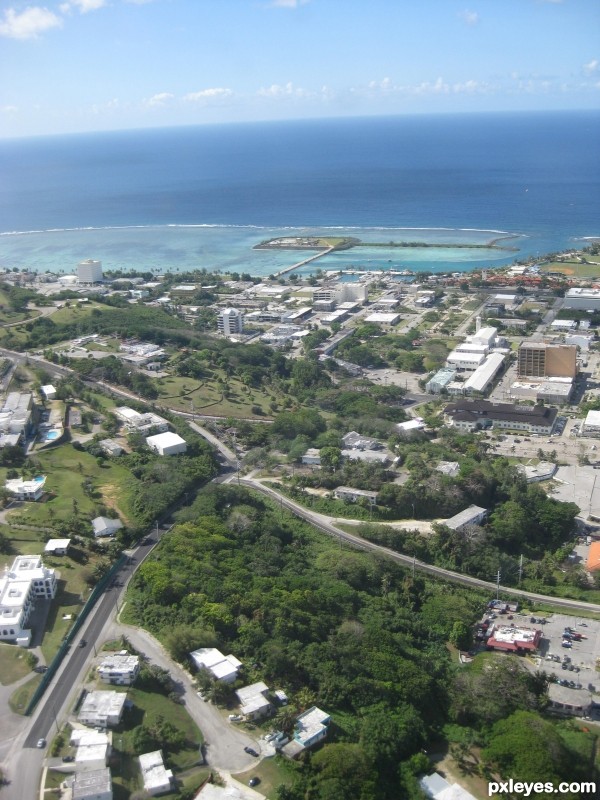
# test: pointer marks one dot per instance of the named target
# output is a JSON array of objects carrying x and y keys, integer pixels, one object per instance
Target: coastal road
[{"x": 325, "y": 524}]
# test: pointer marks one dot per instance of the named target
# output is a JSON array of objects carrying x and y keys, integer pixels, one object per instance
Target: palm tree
[{"x": 285, "y": 719}]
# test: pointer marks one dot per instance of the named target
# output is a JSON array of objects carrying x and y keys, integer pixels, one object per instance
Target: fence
[{"x": 64, "y": 648}]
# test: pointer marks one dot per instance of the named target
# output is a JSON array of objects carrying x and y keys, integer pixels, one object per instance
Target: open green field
[
  {"x": 20, "y": 698},
  {"x": 208, "y": 397},
  {"x": 67, "y": 470},
  {"x": 573, "y": 269},
  {"x": 74, "y": 312},
  {"x": 13, "y": 664},
  {"x": 7, "y": 315},
  {"x": 272, "y": 772}
]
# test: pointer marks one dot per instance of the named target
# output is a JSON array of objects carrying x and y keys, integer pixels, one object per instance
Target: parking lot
[{"x": 581, "y": 656}]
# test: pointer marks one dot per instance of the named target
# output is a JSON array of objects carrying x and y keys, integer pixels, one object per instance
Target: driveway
[{"x": 224, "y": 742}]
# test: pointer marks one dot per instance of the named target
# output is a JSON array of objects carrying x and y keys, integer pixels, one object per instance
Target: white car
[{"x": 41, "y": 743}]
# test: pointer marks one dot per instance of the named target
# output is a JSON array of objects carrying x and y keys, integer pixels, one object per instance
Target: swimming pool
[{"x": 52, "y": 435}]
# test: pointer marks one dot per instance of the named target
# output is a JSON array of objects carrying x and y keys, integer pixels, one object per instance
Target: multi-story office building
[
  {"x": 89, "y": 271},
  {"x": 230, "y": 321},
  {"x": 541, "y": 360}
]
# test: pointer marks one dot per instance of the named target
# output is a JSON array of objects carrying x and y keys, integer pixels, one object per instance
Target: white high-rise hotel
[
  {"x": 230, "y": 321},
  {"x": 89, "y": 271}
]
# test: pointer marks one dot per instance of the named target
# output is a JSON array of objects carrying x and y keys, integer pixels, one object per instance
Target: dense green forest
[{"x": 349, "y": 631}]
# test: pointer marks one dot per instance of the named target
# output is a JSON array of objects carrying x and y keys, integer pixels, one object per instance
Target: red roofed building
[
  {"x": 514, "y": 640},
  {"x": 593, "y": 559}
]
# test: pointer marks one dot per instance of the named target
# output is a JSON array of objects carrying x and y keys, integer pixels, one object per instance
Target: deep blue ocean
[{"x": 179, "y": 198}]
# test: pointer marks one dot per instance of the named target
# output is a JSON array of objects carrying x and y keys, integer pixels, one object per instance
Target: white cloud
[
  {"x": 591, "y": 66},
  {"x": 158, "y": 100},
  {"x": 29, "y": 23},
  {"x": 216, "y": 93},
  {"x": 277, "y": 90},
  {"x": 8, "y": 109},
  {"x": 288, "y": 3},
  {"x": 470, "y": 17},
  {"x": 83, "y": 6}
]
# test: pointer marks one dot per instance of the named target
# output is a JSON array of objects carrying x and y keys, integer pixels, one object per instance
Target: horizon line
[{"x": 298, "y": 120}]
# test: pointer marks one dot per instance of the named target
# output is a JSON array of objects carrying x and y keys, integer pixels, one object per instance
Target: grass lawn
[
  {"x": 148, "y": 705},
  {"x": 13, "y": 663},
  {"x": 20, "y": 698},
  {"x": 272, "y": 773},
  {"x": 74, "y": 312},
  {"x": 66, "y": 470},
  {"x": 207, "y": 397}
]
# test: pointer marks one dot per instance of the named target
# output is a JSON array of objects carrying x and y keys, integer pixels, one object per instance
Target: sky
[{"x": 89, "y": 65}]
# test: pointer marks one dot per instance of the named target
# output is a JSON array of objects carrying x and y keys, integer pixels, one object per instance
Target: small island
[{"x": 330, "y": 243}]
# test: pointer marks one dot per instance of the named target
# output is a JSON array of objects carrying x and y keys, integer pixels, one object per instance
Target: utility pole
[
  {"x": 520, "y": 568},
  {"x": 498, "y": 585}
]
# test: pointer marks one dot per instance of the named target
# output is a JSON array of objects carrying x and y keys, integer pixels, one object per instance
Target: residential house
[
  {"x": 57, "y": 547},
  {"x": 222, "y": 668},
  {"x": 254, "y": 701},
  {"x": 312, "y": 456},
  {"x": 351, "y": 495},
  {"x": 92, "y": 785},
  {"x": 26, "y": 490},
  {"x": 167, "y": 444},
  {"x": 93, "y": 749},
  {"x": 105, "y": 526},
  {"x": 157, "y": 779},
  {"x": 119, "y": 669},
  {"x": 102, "y": 709},
  {"x": 311, "y": 728},
  {"x": 473, "y": 515}
]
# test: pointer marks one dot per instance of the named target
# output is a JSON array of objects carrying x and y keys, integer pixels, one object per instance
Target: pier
[{"x": 303, "y": 262}]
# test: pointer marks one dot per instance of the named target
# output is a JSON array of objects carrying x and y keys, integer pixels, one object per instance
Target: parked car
[
  {"x": 68, "y": 759},
  {"x": 251, "y": 752},
  {"x": 235, "y": 718},
  {"x": 40, "y": 668},
  {"x": 254, "y": 781}
]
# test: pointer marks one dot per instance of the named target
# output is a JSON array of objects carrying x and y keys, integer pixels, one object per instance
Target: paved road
[
  {"x": 325, "y": 524},
  {"x": 225, "y": 742},
  {"x": 22, "y": 761}
]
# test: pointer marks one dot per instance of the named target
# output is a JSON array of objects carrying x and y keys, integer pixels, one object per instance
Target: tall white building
[
  {"x": 89, "y": 271},
  {"x": 230, "y": 321},
  {"x": 26, "y": 580}
]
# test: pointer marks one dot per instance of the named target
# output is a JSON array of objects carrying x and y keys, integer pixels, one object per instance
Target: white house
[
  {"x": 26, "y": 490},
  {"x": 311, "y": 728},
  {"x": 157, "y": 779},
  {"x": 92, "y": 785},
  {"x": 49, "y": 391},
  {"x": 222, "y": 668},
  {"x": 105, "y": 526},
  {"x": 120, "y": 669},
  {"x": 410, "y": 427},
  {"x": 102, "y": 709},
  {"x": 473, "y": 515},
  {"x": 57, "y": 547},
  {"x": 254, "y": 702},
  {"x": 354, "y": 495},
  {"x": 312, "y": 456},
  {"x": 93, "y": 749},
  {"x": 167, "y": 444},
  {"x": 140, "y": 423}
]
